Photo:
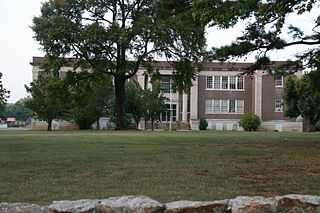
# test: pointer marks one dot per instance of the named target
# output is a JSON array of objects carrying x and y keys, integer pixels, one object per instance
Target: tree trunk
[
  {"x": 308, "y": 124},
  {"x": 49, "y": 124},
  {"x": 119, "y": 81},
  {"x": 137, "y": 123},
  {"x": 151, "y": 124},
  {"x": 98, "y": 124}
]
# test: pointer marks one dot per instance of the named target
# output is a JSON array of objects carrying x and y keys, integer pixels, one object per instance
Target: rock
[
  {"x": 197, "y": 207},
  {"x": 22, "y": 208},
  {"x": 297, "y": 203},
  {"x": 243, "y": 204},
  {"x": 130, "y": 204},
  {"x": 77, "y": 206}
]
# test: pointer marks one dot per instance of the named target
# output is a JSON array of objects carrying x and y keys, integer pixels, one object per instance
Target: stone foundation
[{"x": 141, "y": 204}]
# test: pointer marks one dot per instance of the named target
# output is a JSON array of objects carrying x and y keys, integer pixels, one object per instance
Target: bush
[
  {"x": 250, "y": 122},
  {"x": 203, "y": 124},
  {"x": 317, "y": 126}
]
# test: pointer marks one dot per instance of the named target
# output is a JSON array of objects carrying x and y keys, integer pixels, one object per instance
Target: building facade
[{"x": 220, "y": 94}]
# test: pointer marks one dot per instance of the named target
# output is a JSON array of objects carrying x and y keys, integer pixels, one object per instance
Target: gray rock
[
  {"x": 197, "y": 207},
  {"x": 22, "y": 208},
  {"x": 294, "y": 203},
  {"x": 77, "y": 206},
  {"x": 243, "y": 204},
  {"x": 130, "y": 204}
]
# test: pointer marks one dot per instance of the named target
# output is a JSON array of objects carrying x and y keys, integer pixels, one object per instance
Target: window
[
  {"x": 166, "y": 85},
  {"x": 279, "y": 81},
  {"x": 240, "y": 83},
  {"x": 224, "y": 82},
  {"x": 171, "y": 112},
  {"x": 209, "y": 82},
  {"x": 240, "y": 106},
  {"x": 217, "y": 84},
  {"x": 208, "y": 106},
  {"x": 232, "y": 106},
  {"x": 232, "y": 82},
  {"x": 217, "y": 106},
  {"x": 278, "y": 106},
  {"x": 224, "y": 106}
]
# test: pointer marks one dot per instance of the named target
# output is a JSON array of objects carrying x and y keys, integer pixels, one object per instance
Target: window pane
[
  {"x": 232, "y": 106},
  {"x": 279, "y": 81},
  {"x": 224, "y": 106},
  {"x": 209, "y": 82},
  {"x": 166, "y": 84},
  {"x": 240, "y": 83},
  {"x": 208, "y": 106},
  {"x": 240, "y": 106},
  {"x": 224, "y": 82},
  {"x": 278, "y": 106},
  {"x": 232, "y": 84},
  {"x": 216, "y": 106},
  {"x": 217, "y": 82}
]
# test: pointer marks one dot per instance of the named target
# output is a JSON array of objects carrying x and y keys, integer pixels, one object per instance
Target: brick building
[{"x": 220, "y": 94}]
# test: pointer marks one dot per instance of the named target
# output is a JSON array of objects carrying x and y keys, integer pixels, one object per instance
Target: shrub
[
  {"x": 317, "y": 126},
  {"x": 203, "y": 124},
  {"x": 250, "y": 122}
]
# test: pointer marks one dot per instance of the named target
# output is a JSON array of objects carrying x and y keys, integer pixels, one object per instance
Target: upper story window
[
  {"x": 278, "y": 105},
  {"x": 279, "y": 81},
  {"x": 224, "y": 83},
  {"x": 217, "y": 106},
  {"x": 166, "y": 85}
]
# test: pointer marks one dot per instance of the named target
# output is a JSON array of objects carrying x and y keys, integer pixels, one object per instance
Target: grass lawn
[{"x": 38, "y": 167}]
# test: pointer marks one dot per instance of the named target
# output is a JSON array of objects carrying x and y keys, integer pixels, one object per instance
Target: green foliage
[
  {"x": 118, "y": 37},
  {"x": 266, "y": 32},
  {"x": 134, "y": 102},
  {"x": 301, "y": 98},
  {"x": 18, "y": 110},
  {"x": 203, "y": 124},
  {"x": 154, "y": 103},
  {"x": 49, "y": 99},
  {"x": 4, "y": 94},
  {"x": 250, "y": 122},
  {"x": 91, "y": 97}
]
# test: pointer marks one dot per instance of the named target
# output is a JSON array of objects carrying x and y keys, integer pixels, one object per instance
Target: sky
[{"x": 17, "y": 46}]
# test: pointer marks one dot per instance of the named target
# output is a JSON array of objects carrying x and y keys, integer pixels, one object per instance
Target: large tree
[
  {"x": 302, "y": 99},
  {"x": 48, "y": 100},
  {"x": 4, "y": 94},
  {"x": 117, "y": 37},
  {"x": 267, "y": 28}
]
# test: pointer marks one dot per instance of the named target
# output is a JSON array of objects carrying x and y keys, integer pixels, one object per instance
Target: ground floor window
[
  {"x": 278, "y": 105},
  {"x": 171, "y": 113},
  {"x": 218, "y": 106}
]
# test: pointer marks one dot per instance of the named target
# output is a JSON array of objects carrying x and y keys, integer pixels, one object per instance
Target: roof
[{"x": 208, "y": 66}]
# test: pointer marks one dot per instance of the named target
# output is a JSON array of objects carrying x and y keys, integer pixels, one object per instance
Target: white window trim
[
  {"x": 228, "y": 108},
  {"x": 228, "y": 88},
  {"x": 279, "y": 109},
  {"x": 279, "y": 86}
]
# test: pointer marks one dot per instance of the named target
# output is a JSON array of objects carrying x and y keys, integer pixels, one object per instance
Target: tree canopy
[
  {"x": 117, "y": 37},
  {"x": 302, "y": 99},
  {"x": 4, "y": 94},
  {"x": 267, "y": 28},
  {"x": 18, "y": 110}
]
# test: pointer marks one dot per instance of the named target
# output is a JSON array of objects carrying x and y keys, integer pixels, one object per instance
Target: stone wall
[{"x": 140, "y": 204}]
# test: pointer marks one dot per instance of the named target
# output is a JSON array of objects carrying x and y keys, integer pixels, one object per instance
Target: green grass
[{"x": 38, "y": 167}]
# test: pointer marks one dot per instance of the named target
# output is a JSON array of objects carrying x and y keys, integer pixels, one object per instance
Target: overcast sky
[{"x": 17, "y": 45}]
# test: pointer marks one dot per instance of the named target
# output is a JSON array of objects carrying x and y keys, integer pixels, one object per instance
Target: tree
[
  {"x": 4, "y": 94},
  {"x": 91, "y": 98},
  {"x": 154, "y": 103},
  {"x": 48, "y": 99},
  {"x": 266, "y": 26},
  {"x": 134, "y": 102},
  {"x": 117, "y": 37},
  {"x": 250, "y": 122},
  {"x": 18, "y": 110},
  {"x": 302, "y": 99}
]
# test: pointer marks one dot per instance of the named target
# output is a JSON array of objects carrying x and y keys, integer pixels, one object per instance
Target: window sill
[{"x": 227, "y": 90}]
